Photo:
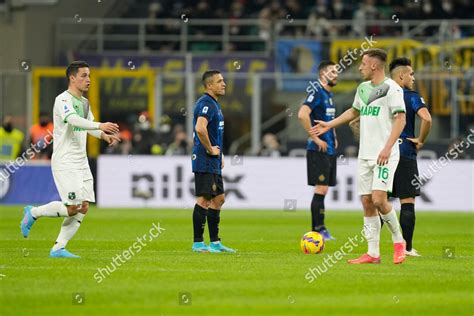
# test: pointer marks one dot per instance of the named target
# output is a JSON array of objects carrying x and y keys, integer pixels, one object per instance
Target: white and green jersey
[
  {"x": 377, "y": 106},
  {"x": 69, "y": 146}
]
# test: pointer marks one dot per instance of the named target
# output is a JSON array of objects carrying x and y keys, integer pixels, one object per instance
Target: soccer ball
[{"x": 312, "y": 242}]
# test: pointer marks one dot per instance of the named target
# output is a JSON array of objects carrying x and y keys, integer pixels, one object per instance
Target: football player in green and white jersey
[
  {"x": 380, "y": 105},
  {"x": 73, "y": 120}
]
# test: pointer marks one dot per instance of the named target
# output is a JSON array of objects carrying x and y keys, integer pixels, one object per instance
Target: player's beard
[
  {"x": 328, "y": 82},
  {"x": 331, "y": 83}
]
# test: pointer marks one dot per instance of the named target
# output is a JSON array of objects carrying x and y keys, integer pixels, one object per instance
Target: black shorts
[
  {"x": 321, "y": 168},
  {"x": 404, "y": 178},
  {"x": 208, "y": 184}
]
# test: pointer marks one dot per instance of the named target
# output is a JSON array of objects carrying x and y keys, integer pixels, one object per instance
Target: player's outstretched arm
[
  {"x": 397, "y": 128},
  {"x": 77, "y": 121},
  {"x": 110, "y": 128},
  {"x": 355, "y": 127},
  {"x": 304, "y": 117},
  {"x": 425, "y": 128},
  {"x": 201, "y": 131},
  {"x": 322, "y": 127}
]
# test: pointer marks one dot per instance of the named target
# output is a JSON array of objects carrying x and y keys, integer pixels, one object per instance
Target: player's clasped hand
[
  {"x": 215, "y": 151},
  {"x": 417, "y": 143},
  {"x": 382, "y": 159},
  {"x": 109, "y": 128},
  {"x": 319, "y": 128}
]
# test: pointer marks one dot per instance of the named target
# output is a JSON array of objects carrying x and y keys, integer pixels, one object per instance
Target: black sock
[
  {"x": 407, "y": 222},
  {"x": 199, "y": 221},
  {"x": 213, "y": 219},
  {"x": 317, "y": 211}
]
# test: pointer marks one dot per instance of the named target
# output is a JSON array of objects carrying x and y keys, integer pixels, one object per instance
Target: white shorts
[
  {"x": 375, "y": 177},
  {"x": 74, "y": 186}
]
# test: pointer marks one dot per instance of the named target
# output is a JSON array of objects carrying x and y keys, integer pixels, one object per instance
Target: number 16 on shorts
[
  {"x": 374, "y": 177},
  {"x": 383, "y": 173},
  {"x": 383, "y": 176}
]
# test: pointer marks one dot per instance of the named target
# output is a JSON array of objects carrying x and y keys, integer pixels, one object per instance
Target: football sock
[
  {"x": 199, "y": 221},
  {"x": 372, "y": 235},
  {"x": 392, "y": 223},
  {"x": 52, "y": 209},
  {"x": 407, "y": 222},
  {"x": 317, "y": 211},
  {"x": 213, "y": 220},
  {"x": 69, "y": 228}
]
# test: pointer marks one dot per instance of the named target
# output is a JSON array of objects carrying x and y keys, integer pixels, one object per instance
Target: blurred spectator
[
  {"x": 268, "y": 16},
  {"x": 321, "y": 9},
  {"x": 155, "y": 11},
  {"x": 236, "y": 13},
  {"x": 41, "y": 137},
  {"x": 180, "y": 145},
  {"x": 158, "y": 10},
  {"x": 166, "y": 132},
  {"x": 270, "y": 146},
  {"x": 11, "y": 140},
  {"x": 366, "y": 12},
  {"x": 340, "y": 11},
  {"x": 319, "y": 15},
  {"x": 426, "y": 9},
  {"x": 145, "y": 139},
  {"x": 318, "y": 21},
  {"x": 445, "y": 10}
]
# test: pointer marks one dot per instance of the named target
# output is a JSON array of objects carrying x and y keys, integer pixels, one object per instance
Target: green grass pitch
[{"x": 266, "y": 277}]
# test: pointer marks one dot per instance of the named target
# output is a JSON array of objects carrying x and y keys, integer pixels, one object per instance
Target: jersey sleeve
[
  {"x": 356, "y": 103},
  {"x": 97, "y": 133},
  {"x": 64, "y": 108},
  {"x": 417, "y": 102},
  {"x": 312, "y": 101},
  {"x": 90, "y": 116},
  {"x": 207, "y": 110},
  {"x": 396, "y": 102}
]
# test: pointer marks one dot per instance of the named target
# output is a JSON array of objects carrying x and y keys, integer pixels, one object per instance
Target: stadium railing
[{"x": 243, "y": 35}]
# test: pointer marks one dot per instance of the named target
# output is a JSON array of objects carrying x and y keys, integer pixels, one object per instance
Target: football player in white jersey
[
  {"x": 380, "y": 105},
  {"x": 73, "y": 120}
]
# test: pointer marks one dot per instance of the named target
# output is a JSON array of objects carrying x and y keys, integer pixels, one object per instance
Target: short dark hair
[
  {"x": 400, "y": 61},
  {"x": 207, "y": 75},
  {"x": 323, "y": 64},
  {"x": 378, "y": 53},
  {"x": 73, "y": 68}
]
